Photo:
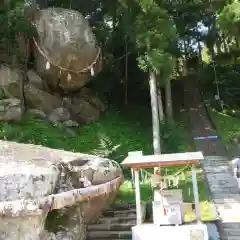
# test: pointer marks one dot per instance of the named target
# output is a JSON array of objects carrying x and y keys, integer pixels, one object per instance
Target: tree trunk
[
  {"x": 160, "y": 104},
  {"x": 155, "y": 115},
  {"x": 185, "y": 65},
  {"x": 236, "y": 42},
  {"x": 126, "y": 74},
  {"x": 199, "y": 50},
  {"x": 218, "y": 46},
  {"x": 168, "y": 94}
]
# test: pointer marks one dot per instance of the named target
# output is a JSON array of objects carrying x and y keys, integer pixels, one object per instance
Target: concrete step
[
  {"x": 118, "y": 213},
  {"x": 123, "y": 219},
  {"x": 226, "y": 198},
  {"x": 110, "y": 227},
  {"x": 230, "y": 225},
  {"x": 109, "y": 235},
  {"x": 219, "y": 190},
  {"x": 88, "y": 238},
  {"x": 232, "y": 232},
  {"x": 115, "y": 207},
  {"x": 219, "y": 169},
  {"x": 232, "y": 238}
]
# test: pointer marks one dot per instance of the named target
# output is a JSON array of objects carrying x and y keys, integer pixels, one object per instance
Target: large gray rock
[
  {"x": 82, "y": 111},
  {"x": 59, "y": 115},
  {"x": 98, "y": 171},
  {"x": 22, "y": 228},
  {"x": 66, "y": 224},
  {"x": 11, "y": 110},
  {"x": 36, "y": 80},
  {"x": 11, "y": 81},
  {"x": 36, "y": 179},
  {"x": 37, "y": 99},
  {"x": 88, "y": 95},
  {"x": 36, "y": 113},
  {"x": 65, "y": 48},
  {"x": 23, "y": 176}
]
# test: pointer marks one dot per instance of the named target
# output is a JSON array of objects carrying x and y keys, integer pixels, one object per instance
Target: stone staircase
[
  {"x": 114, "y": 224},
  {"x": 223, "y": 187}
]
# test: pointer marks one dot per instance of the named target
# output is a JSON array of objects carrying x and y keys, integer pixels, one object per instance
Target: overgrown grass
[
  {"x": 227, "y": 126},
  {"x": 118, "y": 132}
]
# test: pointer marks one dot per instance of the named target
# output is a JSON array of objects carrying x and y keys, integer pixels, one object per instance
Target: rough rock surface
[
  {"x": 66, "y": 224},
  {"x": 22, "y": 228},
  {"x": 37, "y": 113},
  {"x": 83, "y": 106},
  {"x": 37, "y": 99},
  {"x": 59, "y": 115},
  {"x": 83, "y": 111},
  {"x": 29, "y": 172},
  {"x": 92, "y": 98},
  {"x": 10, "y": 82},
  {"x": 73, "y": 51},
  {"x": 36, "y": 80},
  {"x": 11, "y": 110}
]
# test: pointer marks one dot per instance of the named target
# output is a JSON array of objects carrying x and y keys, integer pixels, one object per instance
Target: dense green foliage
[
  {"x": 153, "y": 35},
  {"x": 119, "y": 131},
  {"x": 170, "y": 38}
]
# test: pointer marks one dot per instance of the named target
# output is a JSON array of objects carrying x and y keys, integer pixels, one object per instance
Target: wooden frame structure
[{"x": 164, "y": 160}]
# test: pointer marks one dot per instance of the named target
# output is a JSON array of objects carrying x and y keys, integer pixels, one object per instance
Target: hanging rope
[
  {"x": 29, "y": 207},
  {"x": 173, "y": 175},
  {"x": 98, "y": 59}
]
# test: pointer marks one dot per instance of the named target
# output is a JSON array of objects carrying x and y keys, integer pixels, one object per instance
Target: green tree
[{"x": 155, "y": 32}]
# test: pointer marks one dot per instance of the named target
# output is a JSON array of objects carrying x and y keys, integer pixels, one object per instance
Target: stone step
[
  {"x": 220, "y": 190},
  {"x": 109, "y": 235},
  {"x": 230, "y": 225},
  {"x": 123, "y": 219},
  {"x": 223, "y": 176},
  {"x": 231, "y": 232},
  {"x": 110, "y": 227},
  {"x": 89, "y": 238},
  {"x": 226, "y": 199},
  {"x": 118, "y": 213},
  {"x": 220, "y": 169},
  {"x": 214, "y": 158},
  {"x": 115, "y": 207},
  {"x": 214, "y": 163},
  {"x": 232, "y": 238}
]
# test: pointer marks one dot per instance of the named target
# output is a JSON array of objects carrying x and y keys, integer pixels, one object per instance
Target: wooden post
[
  {"x": 196, "y": 196},
  {"x": 134, "y": 154},
  {"x": 138, "y": 197}
]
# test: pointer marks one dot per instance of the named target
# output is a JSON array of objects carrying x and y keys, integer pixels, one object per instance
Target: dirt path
[{"x": 223, "y": 187}]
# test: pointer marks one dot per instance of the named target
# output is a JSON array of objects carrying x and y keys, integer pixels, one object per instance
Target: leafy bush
[
  {"x": 15, "y": 21},
  {"x": 117, "y": 133},
  {"x": 228, "y": 83}
]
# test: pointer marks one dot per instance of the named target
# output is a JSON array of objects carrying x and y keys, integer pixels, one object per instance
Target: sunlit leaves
[
  {"x": 229, "y": 19},
  {"x": 155, "y": 32}
]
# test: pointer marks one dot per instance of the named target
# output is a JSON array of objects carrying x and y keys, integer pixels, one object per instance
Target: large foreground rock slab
[
  {"x": 19, "y": 162},
  {"x": 38, "y": 182},
  {"x": 24, "y": 175}
]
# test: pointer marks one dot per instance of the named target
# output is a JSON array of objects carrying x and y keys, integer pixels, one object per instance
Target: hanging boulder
[{"x": 65, "y": 50}]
